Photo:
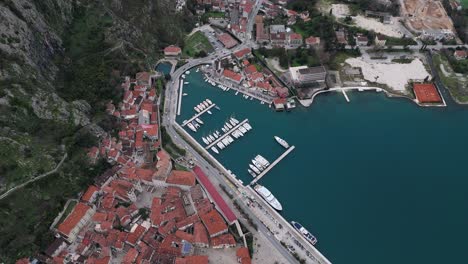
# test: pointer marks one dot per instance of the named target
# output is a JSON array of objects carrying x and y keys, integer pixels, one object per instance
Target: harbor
[
  {"x": 227, "y": 133},
  {"x": 198, "y": 115},
  {"x": 327, "y": 172},
  {"x": 263, "y": 173}
]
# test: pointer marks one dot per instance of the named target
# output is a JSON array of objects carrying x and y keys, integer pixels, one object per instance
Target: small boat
[
  {"x": 205, "y": 104},
  {"x": 220, "y": 145},
  {"x": 211, "y": 138},
  {"x": 252, "y": 173},
  {"x": 217, "y": 107},
  {"x": 205, "y": 141},
  {"x": 235, "y": 134},
  {"x": 186, "y": 83},
  {"x": 223, "y": 129},
  {"x": 206, "y": 80},
  {"x": 184, "y": 94},
  {"x": 247, "y": 97},
  {"x": 242, "y": 129},
  {"x": 196, "y": 109},
  {"x": 215, "y": 135},
  {"x": 191, "y": 127},
  {"x": 228, "y": 125},
  {"x": 209, "y": 101},
  {"x": 201, "y": 107},
  {"x": 195, "y": 124},
  {"x": 236, "y": 93},
  {"x": 282, "y": 142},
  {"x": 257, "y": 164},
  {"x": 262, "y": 160},
  {"x": 199, "y": 121},
  {"x": 304, "y": 232},
  {"x": 240, "y": 133},
  {"x": 235, "y": 120},
  {"x": 247, "y": 126},
  {"x": 230, "y": 139},
  {"x": 232, "y": 122},
  {"x": 198, "y": 69},
  {"x": 187, "y": 72},
  {"x": 209, "y": 112},
  {"x": 183, "y": 76},
  {"x": 268, "y": 196},
  {"x": 254, "y": 168},
  {"x": 215, "y": 150}
]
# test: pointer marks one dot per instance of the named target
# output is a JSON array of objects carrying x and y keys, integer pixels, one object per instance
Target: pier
[
  {"x": 345, "y": 95},
  {"x": 226, "y": 134},
  {"x": 272, "y": 165},
  {"x": 179, "y": 105},
  {"x": 198, "y": 114}
]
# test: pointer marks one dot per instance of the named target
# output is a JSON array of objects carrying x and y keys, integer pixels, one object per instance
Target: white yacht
[
  {"x": 206, "y": 104},
  {"x": 252, "y": 173},
  {"x": 215, "y": 150},
  {"x": 187, "y": 72},
  {"x": 184, "y": 94},
  {"x": 209, "y": 101},
  {"x": 199, "y": 121},
  {"x": 211, "y": 138},
  {"x": 242, "y": 129},
  {"x": 205, "y": 141},
  {"x": 247, "y": 126},
  {"x": 196, "y": 109},
  {"x": 209, "y": 112},
  {"x": 282, "y": 142},
  {"x": 191, "y": 127},
  {"x": 254, "y": 168},
  {"x": 223, "y": 129},
  {"x": 215, "y": 135},
  {"x": 258, "y": 165},
  {"x": 228, "y": 125},
  {"x": 268, "y": 196},
  {"x": 186, "y": 83}
]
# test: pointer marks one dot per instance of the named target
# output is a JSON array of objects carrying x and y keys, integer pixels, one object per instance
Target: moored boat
[
  {"x": 254, "y": 168},
  {"x": 268, "y": 196},
  {"x": 282, "y": 142},
  {"x": 252, "y": 173},
  {"x": 196, "y": 109},
  {"x": 199, "y": 121},
  {"x": 304, "y": 232},
  {"x": 215, "y": 150},
  {"x": 205, "y": 141},
  {"x": 191, "y": 127}
]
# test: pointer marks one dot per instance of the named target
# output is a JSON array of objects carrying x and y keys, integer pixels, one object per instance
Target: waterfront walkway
[
  {"x": 179, "y": 104},
  {"x": 272, "y": 165},
  {"x": 226, "y": 134},
  {"x": 197, "y": 115}
]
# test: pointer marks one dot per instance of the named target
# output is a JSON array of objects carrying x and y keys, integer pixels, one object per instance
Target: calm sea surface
[{"x": 377, "y": 180}]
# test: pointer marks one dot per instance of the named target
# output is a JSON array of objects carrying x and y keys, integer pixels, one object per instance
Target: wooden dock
[
  {"x": 272, "y": 165},
  {"x": 226, "y": 134},
  {"x": 198, "y": 114}
]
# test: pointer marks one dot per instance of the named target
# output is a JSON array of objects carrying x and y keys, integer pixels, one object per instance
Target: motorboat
[
  {"x": 242, "y": 129},
  {"x": 254, "y": 168},
  {"x": 228, "y": 125},
  {"x": 205, "y": 141},
  {"x": 199, "y": 121},
  {"x": 304, "y": 232},
  {"x": 209, "y": 112},
  {"x": 211, "y": 138},
  {"x": 184, "y": 94},
  {"x": 215, "y": 150},
  {"x": 268, "y": 196},
  {"x": 282, "y": 142},
  {"x": 192, "y": 127},
  {"x": 252, "y": 173},
  {"x": 209, "y": 101},
  {"x": 196, "y": 109}
]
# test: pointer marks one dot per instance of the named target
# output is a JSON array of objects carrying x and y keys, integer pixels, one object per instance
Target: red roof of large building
[
  {"x": 232, "y": 75},
  {"x": 73, "y": 218},
  {"x": 172, "y": 49},
  {"x": 227, "y": 40},
  {"x": 223, "y": 240},
  {"x": 200, "y": 235},
  {"x": 250, "y": 69},
  {"x": 89, "y": 193},
  {"x": 295, "y": 36},
  {"x": 131, "y": 256},
  {"x": 214, "y": 222},
  {"x": 426, "y": 93},
  {"x": 225, "y": 209},
  {"x": 181, "y": 178},
  {"x": 241, "y": 53},
  {"x": 192, "y": 260}
]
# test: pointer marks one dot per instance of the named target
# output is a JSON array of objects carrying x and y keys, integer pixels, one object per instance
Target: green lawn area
[
  {"x": 339, "y": 58},
  {"x": 197, "y": 43},
  {"x": 457, "y": 88},
  {"x": 212, "y": 14},
  {"x": 464, "y": 3}
]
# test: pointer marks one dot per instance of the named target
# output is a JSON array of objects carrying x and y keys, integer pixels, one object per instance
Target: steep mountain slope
[{"x": 60, "y": 62}]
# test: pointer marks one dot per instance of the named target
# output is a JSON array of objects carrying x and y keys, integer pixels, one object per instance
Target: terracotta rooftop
[
  {"x": 243, "y": 255},
  {"x": 172, "y": 49},
  {"x": 250, "y": 69},
  {"x": 131, "y": 256},
  {"x": 227, "y": 40},
  {"x": 426, "y": 93},
  {"x": 192, "y": 260},
  {"x": 134, "y": 236},
  {"x": 89, "y": 193},
  {"x": 225, "y": 209},
  {"x": 241, "y": 53},
  {"x": 181, "y": 178},
  {"x": 200, "y": 234},
  {"x": 223, "y": 240},
  {"x": 73, "y": 218},
  {"x": 214, "y": 222},
  {"x": 232, "y": 75}
]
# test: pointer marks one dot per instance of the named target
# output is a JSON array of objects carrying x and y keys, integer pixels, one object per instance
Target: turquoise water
[
  {"x": 164, "y": 67},
  {"x": 377, "y": 180}
]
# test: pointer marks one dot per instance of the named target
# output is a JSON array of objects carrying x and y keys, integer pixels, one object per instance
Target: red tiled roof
[
  {"x": 426, "y": 93},
  {"x": 131, "y": 256},
  {"x": 241, "y": 53},
  {"x": 214, "y": 222},
  {"x": 99, "y": 217},
  {"x": 232, "y": 75},
  {"x": 135, "y": 235},
  {"x": 460, "y": 53},
  {"x": 181, "y": 178},
  {"x": 312, "y": 40},
  {"x": 243, "y": 255},
  {"x": 192, "y": 260},
  {"x": 74, "y": 218},
  {"x": 295, "y": 36},
  {"x": 250, "y": 69},
  {"x": 227, "y": 40},
  {"x": 172, "y": 49},
  {"x": 223, "y": 240},
  {"x": 89, "y": 193},
  {"x": 256, "y": 76},
  {"x": 225, "y": 209},
  {"x": 200, "y": 234},
  {"x": 184, "y": 236}
]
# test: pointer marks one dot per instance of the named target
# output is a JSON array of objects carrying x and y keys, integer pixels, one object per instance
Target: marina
[
  {"x": 327, "y": 172},
  {"x": 226, "y": 134},
  {"x": 198, "y": 115},
  {"x": 263, "y": 173}
]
